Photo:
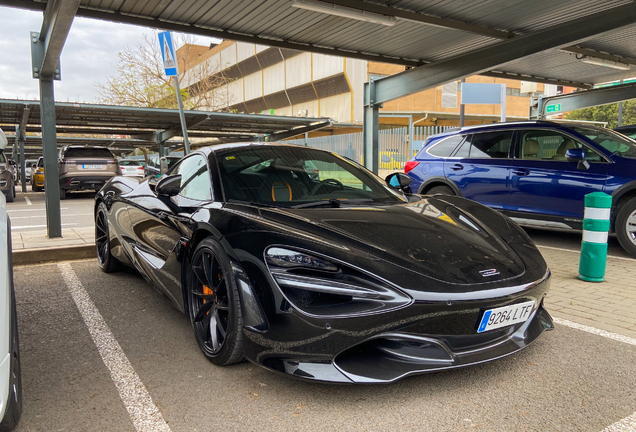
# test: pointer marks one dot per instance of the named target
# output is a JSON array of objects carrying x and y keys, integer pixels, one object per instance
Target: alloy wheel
[
  {"x": 101, "y": 237},
  {"x": 209, "y": 301},
  {"x": 630, "y": 227}
]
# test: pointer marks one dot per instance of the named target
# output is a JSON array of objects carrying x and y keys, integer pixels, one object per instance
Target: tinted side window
[
  {"x": 551, "y": 145},
  {"x": 195, "y": 178},
  {"x": 445, "y": 147},
  {"x": 488, "y": 145}
]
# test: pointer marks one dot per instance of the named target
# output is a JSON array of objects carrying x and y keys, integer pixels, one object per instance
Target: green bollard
[{"x": 596, "y": 223}]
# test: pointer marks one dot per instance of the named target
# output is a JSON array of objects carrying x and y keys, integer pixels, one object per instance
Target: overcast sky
[{"x": 89, "y": 55}]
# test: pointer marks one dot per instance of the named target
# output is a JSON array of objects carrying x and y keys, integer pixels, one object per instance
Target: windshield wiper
[{"x": 333, "y": 202}]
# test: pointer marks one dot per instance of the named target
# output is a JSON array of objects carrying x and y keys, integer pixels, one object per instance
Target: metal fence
[{"x": 395, "y": 148}]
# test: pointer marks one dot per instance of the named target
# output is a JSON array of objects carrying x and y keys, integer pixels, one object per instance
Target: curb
[{"x": 64, "y": 253}]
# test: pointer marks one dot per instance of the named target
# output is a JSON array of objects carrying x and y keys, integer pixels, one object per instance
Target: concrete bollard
[{"x": 596, "y": 224}]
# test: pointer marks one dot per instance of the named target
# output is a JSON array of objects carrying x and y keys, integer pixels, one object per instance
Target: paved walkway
[
  {"x": 39, "y": 239},
  {"x": 609, "y": 305}
]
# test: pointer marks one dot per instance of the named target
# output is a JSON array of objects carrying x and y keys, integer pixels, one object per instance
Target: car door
[
  {"x": 159, "y": 223},
  {"x": 545, "y": 186},
  {"x": 480, "y": 167}
]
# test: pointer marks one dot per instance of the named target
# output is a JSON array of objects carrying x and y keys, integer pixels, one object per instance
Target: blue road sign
[{"x": 168, "y": 54}]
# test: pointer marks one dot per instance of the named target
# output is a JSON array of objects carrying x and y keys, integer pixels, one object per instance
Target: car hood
[{"x": 431, "y": 237}]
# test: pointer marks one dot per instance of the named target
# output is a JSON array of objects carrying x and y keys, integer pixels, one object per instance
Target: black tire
[
  {"x": 213, "y": 300},
  {"x": 625, "y": 226},
  {"x": 14, "y": 404},
  {"x": 444, "y": 190},
  {"x": 11, "y": 194},
  {"x": 62, "y": 194},
  {"x": 107, "y": 262}
]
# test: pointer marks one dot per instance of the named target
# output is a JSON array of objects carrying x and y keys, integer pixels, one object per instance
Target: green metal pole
[{"x": 596, "y": 224}]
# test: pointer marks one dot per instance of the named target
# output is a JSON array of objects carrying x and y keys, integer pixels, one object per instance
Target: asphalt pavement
[
  {"x": 28, "y": 211},
  {"x": 569, "y": 380}
]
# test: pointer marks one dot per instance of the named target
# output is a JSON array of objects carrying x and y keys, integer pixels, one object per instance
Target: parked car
[
  {"x": 85, "y": 168},
  {"x": 153, "y": 169},
  {"x": 629, "y": 130},
  {"x": 10, "y": 376},
  {"x": 131, "y": 168},
  {"x": 37, "y": 175},
  {"x": 321, "y": 280},
  {"x": 392, "y": 160},
  {"x": 7, "y": 167},
  {"x": 28, "y": 165},
  {"x": 537, "y": 172}
]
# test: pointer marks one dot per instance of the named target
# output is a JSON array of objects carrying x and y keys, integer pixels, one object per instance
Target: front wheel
[
  {"x": 213, "y": 304},
  {"x": 626, "y": 226},
  {"x": 107, "y": 262}
]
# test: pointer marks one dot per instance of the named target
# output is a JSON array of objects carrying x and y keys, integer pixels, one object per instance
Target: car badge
[{"x": 489, "y": 272}]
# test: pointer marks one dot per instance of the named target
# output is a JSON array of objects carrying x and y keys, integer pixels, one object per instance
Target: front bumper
[{"x": 421, "y": 338}]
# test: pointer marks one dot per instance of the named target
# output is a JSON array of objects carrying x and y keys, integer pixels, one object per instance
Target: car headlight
[{"x": 323, "y": 287}]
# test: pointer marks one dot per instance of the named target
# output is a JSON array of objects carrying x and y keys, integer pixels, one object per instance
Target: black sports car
[{"x": 304, "y": 262}]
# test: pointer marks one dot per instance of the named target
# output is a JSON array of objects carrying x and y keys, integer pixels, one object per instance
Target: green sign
[
  {"x": 268, "y": 111},
  {"x": 553, "y": 108}
]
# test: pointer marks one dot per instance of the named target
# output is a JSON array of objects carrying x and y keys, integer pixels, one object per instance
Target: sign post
[{"x": 170, "y": 66}]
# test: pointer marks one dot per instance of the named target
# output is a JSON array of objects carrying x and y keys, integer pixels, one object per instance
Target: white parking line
[
  {"x": 28, "y": 201},
  {"x": 42, "y": 215},
  {"x": 36, "y": 209},
  {"x": 628, "y": 424},
  {"x": 143, "y": 412},
  {"x": 578, "y": 251}
]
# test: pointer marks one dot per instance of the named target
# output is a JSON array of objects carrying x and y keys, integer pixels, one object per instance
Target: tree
[
  {"x": 140, "y": 80},
  {"x": 606, "y": 113}
]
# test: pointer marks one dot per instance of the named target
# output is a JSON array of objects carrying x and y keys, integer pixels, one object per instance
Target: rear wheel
[
  {"x": 62, "y": 194},
  {"x": 213, "y": 304},
  {"x": 444, "y": 190},
  {"x": 626, "y": 226},
  {"x": 107, "y": 262}
]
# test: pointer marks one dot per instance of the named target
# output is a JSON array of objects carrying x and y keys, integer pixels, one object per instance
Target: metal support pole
[
  {"x": 20, "y": 135},
  {"x": 620, "y": 111},
  {"x": 184, "y": 127},
  {"x": 370, "y": 129},
  {"x": 503, "y": 103},
  {"x": 411, "y": 137},
  {"x": 162, "y": 149},
  {"x": 462, "y": 108},
  {"x": 49, "y": 149}
]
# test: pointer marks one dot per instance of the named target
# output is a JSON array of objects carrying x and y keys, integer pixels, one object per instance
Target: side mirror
[
  {"x": 398, "y": 180},
  {"x": 169, "y": 186},
  {"x": 577, "y": 155}
]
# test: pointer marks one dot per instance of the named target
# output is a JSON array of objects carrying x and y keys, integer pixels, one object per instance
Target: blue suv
[{"x": 536, "y": 172}]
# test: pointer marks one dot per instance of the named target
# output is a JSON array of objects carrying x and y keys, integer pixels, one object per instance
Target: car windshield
[
  {"x": 129, "y": 163},
  {"x": 41, "y": 163},
  {"x": 297, "y": 176},
  {"x": 88, "y": 152},
  {"x": 611, "y": 141}
]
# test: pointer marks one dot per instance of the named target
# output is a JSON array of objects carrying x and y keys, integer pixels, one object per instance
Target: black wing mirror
[
  {"x": 399, "y": 181},
  {"x": 577, "y": 155},
  {"x": 169, "y": 186}
]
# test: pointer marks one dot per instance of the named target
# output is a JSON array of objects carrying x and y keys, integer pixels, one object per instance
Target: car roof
[{"x": 512, "y": 125}]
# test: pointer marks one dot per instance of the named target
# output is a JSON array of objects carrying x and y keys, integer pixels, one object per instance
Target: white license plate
[
  {"x": 505, "y": 316},
  {"x": 92, "y": 166}
]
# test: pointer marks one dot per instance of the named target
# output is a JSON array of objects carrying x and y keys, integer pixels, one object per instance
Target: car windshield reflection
[{"x": 297, "y": 177}]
